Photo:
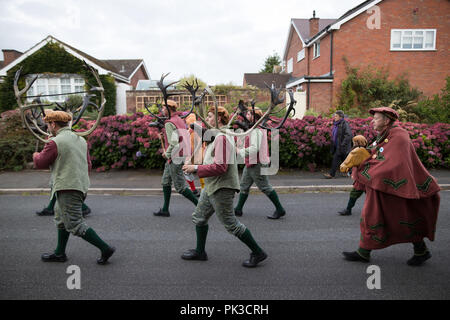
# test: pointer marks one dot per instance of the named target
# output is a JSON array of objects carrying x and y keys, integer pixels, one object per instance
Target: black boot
[
  {"x": 354, "y": 256},
  {"x": 106, "y": 255},
  {"x": 255, "y": 258},
  {"x": 51, "y": 257},
  {"x": 162, "y": 213},
  {"x": 419, "y": 260},
  {"x": 45, "y": 212},
  {"x": 277, "y": 214},
  {"x": 345, "y": 212},
  {"x": 354, "y": 195},
  {"x": 238, "y": 213},
  {"x": 421, "y": 254},
  {"x": 193, "y": 254}
]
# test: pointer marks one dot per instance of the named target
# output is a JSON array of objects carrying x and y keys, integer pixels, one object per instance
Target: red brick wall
[
  {"x": 139, "y": 75},
  {"x": 233, "y": 97},
  {"x": 321, "y": 65},
  {"x": 131, "y": 101},
  {"x": 299, "y": 68},
  {"x": 425, "y": 70},
  {"x": 9, "y": 56},
  {"x": 320, "y": 96}
]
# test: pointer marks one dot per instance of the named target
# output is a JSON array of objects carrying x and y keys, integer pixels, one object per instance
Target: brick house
[
  {"x": 406, "y": 37},
  {"x": 260, "y": 80},
  {"x": 126, "y": 73}
]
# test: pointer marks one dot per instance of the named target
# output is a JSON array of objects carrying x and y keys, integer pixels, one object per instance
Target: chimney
[
  {"x": 9, "y": 56},
  {"x": 313, "y": 25}
]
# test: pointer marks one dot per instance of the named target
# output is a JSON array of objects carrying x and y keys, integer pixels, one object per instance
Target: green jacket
[
  {"x": 230, "y": 179},
  {"x": 70, "y": 170}
]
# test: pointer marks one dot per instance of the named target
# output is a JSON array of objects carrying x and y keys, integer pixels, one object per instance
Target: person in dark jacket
[{"x": 341, "y": 142}]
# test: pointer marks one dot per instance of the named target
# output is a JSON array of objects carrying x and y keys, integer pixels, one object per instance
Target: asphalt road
[{"x": 304, "y": 251}]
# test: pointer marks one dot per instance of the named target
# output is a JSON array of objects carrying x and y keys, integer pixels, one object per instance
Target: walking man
[
  {"x": 220, "y": 171},
  {"x": 176, "y": 147},
  {"x": 402, "y": 198},
  {"x": 68, "y": 158},
  {"x": 341, "y": 139},
  {"x": 256, "y": 155}
]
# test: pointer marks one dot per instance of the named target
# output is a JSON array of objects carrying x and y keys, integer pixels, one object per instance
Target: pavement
[{"x": 148, "y": 182}]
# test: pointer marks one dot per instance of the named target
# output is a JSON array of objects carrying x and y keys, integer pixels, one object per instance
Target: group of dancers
[{"x": 401, "y": 205}]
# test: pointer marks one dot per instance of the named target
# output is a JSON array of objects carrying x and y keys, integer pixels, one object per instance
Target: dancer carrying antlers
[
  {"x": 256, "y": 155},
  {"x": 175, "y": 138},
  {"x": 66, "y": 154},
  {"x": 68, "y": 157},
  {"x": 219, "y": 169}
]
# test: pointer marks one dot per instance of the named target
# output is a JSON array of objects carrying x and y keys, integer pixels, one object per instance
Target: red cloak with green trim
[{"x": 402, "y": 198}]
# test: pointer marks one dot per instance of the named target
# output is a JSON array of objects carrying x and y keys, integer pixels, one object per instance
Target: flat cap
[{"x": 389, "y": 112}]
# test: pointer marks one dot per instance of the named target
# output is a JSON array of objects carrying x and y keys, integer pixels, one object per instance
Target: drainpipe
[
  {"x": 308, "y": 95},
  {"x": 331, "y": 52}
]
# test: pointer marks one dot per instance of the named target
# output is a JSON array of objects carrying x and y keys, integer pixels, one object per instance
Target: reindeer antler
[
  {"x": 274, "y": 101},
  {"x": 196, "y": 100},
  {"x": 33, "y": 114},
  {"x": 164, "y": 88},
  {"x": 291, "y": 108}
]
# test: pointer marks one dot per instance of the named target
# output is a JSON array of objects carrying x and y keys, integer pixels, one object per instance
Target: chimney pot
[{"x": 9, "y": 56}]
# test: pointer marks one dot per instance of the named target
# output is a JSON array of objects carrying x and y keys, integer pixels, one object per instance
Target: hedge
[
  {"x": 126, "y": 141},
  {"x": 306, "y": 143},
  {"x": 16, "y": 143},
  {"x": 119, "y": 140}
]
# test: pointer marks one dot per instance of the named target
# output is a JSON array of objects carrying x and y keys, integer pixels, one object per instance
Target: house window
[
  {"x": 55, "y": 85},
  {"x": 300, "y": 55},
  {"x": 413, "y": 39},
  {"x": 316, "y": 49},
  {"x": 290, "y": 65}
]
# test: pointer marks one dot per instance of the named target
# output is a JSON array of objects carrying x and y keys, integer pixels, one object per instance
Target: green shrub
[
  {"x": 434, "y": 109},
  {"x": 370, "y": 87},
  {"x": 16, "y": 143}
]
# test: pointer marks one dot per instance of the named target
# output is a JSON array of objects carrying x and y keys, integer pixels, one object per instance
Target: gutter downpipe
[{"x": 331, "y": 52}]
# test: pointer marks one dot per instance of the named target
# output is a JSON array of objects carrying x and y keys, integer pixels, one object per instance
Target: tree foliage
[
  {"x": 370, "y": 88},
  {"x": 270, "y": 62},
  {"x": 364, "y": 89},
  {"x": 191, "y": 79}
]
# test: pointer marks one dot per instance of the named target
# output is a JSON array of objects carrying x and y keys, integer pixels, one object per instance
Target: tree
[
  {"x": 191, "y": 78},
  {"x": 271, "y": 61}
]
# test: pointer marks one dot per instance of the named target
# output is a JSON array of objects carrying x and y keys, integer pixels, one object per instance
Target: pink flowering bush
[
  {"x": 126, "y": 141},
  {"x": 306, "y": 143}
]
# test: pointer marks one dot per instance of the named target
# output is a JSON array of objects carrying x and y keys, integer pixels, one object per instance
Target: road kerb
[{"x": 158, "y": 191}]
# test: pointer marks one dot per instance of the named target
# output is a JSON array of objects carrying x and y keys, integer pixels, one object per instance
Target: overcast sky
[{"x": 216, "y": 40}]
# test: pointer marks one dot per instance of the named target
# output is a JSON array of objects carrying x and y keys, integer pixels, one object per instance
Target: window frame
[
  {"x": 290, "y": 65},
  {"x": 304, "y": 55},
  {"x": 316, "y": 49},
  {"x": 412, "y": 40},
  {"x": 43, "y": 81}
]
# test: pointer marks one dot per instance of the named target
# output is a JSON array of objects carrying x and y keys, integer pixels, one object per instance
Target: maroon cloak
[{"x": 402, "y": 198}]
